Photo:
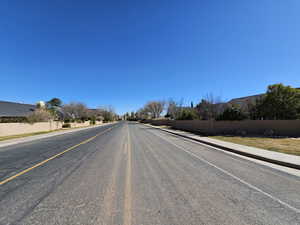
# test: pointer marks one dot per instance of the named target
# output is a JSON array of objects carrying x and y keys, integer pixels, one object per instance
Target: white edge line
[
  {"x": 280, "y": 168},
  {"x": 233, "y": 176}
]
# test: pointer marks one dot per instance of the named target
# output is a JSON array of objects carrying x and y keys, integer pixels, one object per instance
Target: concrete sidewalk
[
  {"x": 40, "y": 136},
  {"x": 278, "y": 158}
]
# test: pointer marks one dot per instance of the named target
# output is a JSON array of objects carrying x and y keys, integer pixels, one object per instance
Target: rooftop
[{"x": 13, "y": 109}]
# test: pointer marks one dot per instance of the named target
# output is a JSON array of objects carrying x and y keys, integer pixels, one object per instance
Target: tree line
[
  {"x": 54, "y": 109},
  {"x": 279, "y": 102}
]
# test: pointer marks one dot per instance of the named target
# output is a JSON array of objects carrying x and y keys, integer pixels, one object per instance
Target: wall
[
  {"x": 251, "y": 127},
  {"x": 86, "y": 123},
  {"x": 7, "y": 129}
]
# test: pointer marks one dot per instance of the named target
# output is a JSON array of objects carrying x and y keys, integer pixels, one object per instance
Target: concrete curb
[
  {"x": 247, "y": 154},
  {"x": 52, "y": 134}
]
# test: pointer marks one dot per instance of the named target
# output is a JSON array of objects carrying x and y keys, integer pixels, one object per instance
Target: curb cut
[{"x": 247, "y": 154}]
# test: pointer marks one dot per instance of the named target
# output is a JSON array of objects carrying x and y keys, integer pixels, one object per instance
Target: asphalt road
[{"x": 128, "y": 173}]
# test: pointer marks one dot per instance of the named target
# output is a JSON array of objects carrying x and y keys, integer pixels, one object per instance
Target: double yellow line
[{"x": 52, "y": 157}]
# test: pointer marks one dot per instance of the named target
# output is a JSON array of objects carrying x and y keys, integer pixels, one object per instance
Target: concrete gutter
[
  {"x": 282, "y": 159},
  {"x": 41, "y": 136}
]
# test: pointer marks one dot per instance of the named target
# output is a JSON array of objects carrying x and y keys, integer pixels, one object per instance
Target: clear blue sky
[{"x": 124, "y": 53}]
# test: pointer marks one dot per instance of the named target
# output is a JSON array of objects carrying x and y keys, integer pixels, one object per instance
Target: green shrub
[
  {"x": 187, "y": 114},
  {"x": 67, "y": 121},
  {"x": 279, "y": 103},
  {"x": 78, "y": 120},
  {"x": 66, "y": 125},
  {"x": 232, "y": 114}
]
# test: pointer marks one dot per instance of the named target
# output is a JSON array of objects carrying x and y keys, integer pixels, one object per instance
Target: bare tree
[
  {"x": 142, "y": 114},
  {"x": 210, "y": 107},
  {"x": 76, "y": 110},
  {"x": 155, "y": 108},
  {"x": 108, "y": 113},
  {"x": 174, "y": 108},
  {"x": 40, "y": 115}
]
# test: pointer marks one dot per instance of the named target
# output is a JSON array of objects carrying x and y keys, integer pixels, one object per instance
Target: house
[
  {"x": 12, "y": 111},
  {"x": 245, "y": 102}
]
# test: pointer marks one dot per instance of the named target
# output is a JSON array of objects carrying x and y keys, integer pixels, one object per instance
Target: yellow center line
[
  {"x": 128, "y": 191},
  {"x": 52, "y": 157}
]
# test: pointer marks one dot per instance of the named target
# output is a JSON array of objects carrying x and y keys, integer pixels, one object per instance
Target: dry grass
[
  {"x": 284, "y": 145},
  {"x": 4, "y": 138}
]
